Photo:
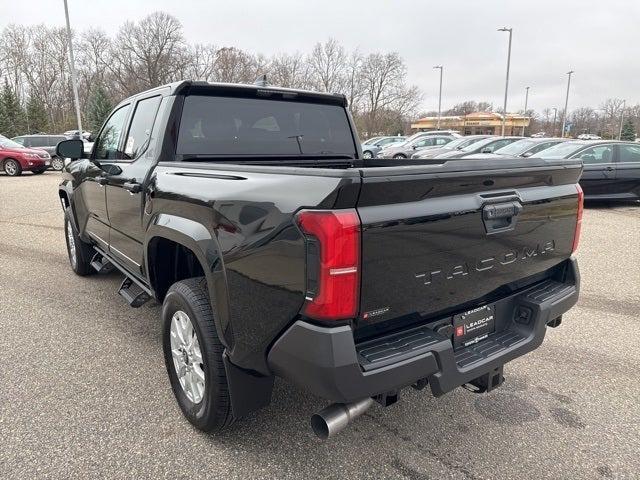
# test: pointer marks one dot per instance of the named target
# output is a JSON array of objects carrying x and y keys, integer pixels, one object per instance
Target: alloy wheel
[{"x": 187, "y": 356}]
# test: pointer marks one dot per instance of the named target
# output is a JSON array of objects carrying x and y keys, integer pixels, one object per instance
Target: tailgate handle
[{"x": 500, "y": 217}]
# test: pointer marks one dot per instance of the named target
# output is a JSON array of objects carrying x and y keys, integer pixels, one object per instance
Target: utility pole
[
  {"x": 72, "y": 68},
  {"x": 566, "y": 103},
  {"x": 555, "y": 114},
  {"x": 624, "y": 104},
  {"x": 439, "y": 96},
  {"x": 506, "y": 85},
  {"x": 526, "y": 102}
]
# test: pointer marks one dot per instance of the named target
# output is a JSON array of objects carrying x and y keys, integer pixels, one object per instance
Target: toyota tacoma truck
[{"x": 276, "y": 250}]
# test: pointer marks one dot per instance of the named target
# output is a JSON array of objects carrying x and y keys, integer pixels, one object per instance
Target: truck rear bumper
[{"x": 327, "y": 361}]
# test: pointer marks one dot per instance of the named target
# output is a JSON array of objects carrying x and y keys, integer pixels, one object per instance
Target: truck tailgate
[{"x": 441, "y": 238}]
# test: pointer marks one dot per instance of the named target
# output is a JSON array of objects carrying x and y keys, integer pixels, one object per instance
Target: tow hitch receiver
[{"x": 486, "y": 382}]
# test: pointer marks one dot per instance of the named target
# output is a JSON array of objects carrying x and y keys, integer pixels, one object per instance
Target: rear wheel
[
  {"x": 57, "y": 163},
  {"x": 399, "y": 155},
  {"x": 79, "y": 252},
  {"x": 193, "y": 356},
  {"x": 12, "y": 167}
]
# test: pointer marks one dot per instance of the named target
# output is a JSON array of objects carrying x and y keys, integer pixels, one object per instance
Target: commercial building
[{"x": 477, "y": 123}]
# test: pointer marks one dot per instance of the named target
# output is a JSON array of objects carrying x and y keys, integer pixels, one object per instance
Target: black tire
[
  {"x": 38, "y": 172},
  {"x": 367, "y": 154},
  {"x": 213, "y": 412},
  {"x": 399, "y": 156},
  {"x": 83, "y": 251},
  {"x": 57, "y": 163},
  {"x": 12, "y": 167}
]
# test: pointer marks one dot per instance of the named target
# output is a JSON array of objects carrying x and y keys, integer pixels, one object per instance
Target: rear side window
[
  {"x": 141, "y": 126},
  {"x": 222, "y": 126},
  {"x": 629, "y": 153}
]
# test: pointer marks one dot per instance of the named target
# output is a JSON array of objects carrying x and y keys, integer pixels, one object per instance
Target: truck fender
[{"x": 197, "y": 238}]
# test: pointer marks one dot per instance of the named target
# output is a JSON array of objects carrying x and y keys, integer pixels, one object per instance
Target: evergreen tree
[
  {"x": 99, "y": 107},
  {"x": 37, "y": 118},
  {"x": 628, "y": 132},
  {"x": 11, "y": 113}
]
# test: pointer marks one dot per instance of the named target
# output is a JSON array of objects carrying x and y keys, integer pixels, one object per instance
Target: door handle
[
  {"x": 132, "y": 187},
  {"x": 609, "y": 169}
]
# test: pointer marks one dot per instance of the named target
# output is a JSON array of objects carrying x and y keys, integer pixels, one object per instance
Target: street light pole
[
  {"x": 624, "y": 104},
  {"x": 566, "y": 103},
  {"x": 72, "y": 68},
  {"x": 526, "y": 102},
  {"x": 506, "y": 85},
  {"x": 439, "y": 95},
  {"x": 555, "y": 114}
]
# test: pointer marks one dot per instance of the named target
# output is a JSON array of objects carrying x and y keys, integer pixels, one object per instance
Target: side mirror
[
  {"x": 527, "y": 154},
  {"x": 73, "y": 149},
  {"x": 486, "y": 150},
  {"x": 415, "y": 147}
]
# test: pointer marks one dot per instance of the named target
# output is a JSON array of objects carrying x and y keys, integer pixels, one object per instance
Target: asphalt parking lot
[{"x": 84, "y": 393}]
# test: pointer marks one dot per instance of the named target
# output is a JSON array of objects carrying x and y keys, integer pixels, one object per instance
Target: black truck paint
[{"x": 429, "y": 250}]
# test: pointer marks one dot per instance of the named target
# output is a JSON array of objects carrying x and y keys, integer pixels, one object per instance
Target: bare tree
[
  {"x": 327, "y": 63},
  {"x": 148, "y": 53}
]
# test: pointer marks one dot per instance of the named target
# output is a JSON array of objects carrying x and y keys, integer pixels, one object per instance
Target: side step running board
[
  {"x": 100, "y": 263},
  {"x": 133, "y": 294}
]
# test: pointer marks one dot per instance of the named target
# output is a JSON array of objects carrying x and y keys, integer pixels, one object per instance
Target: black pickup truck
[{"x": 275, "y": 249}]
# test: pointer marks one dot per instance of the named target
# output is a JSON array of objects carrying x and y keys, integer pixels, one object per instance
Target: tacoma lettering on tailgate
[{"x": 463, "y": 269}]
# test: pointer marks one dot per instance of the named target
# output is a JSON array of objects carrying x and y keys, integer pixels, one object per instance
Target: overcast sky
[{"x": 600, "y": 40}]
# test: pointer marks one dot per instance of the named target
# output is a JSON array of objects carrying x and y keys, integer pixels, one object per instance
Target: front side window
[
  {"x": 109, "y": 139},
  {"x": 19, "y": 140},
  {"x": 599, "y": 154},
  {"x": 629, "y": 153},
  {"x": 256, "y": 127},
  {"x": 141, "y": 126}
]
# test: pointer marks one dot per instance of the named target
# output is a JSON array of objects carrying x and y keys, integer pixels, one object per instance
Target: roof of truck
[{"x": 185, "y": 87}]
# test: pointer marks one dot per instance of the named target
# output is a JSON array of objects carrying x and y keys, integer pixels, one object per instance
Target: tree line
[
  {"x": 35, "y": 82},
  {"x": 36, "y": 94}
]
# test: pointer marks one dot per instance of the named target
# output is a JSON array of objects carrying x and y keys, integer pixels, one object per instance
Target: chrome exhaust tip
[{"x": 334, "y": 418}]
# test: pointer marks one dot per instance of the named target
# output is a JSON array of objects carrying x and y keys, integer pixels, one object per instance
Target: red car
[{"x": 15, "y": 159}]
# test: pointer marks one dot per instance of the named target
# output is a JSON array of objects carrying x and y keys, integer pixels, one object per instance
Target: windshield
[
  {"x": 371, "y": 140},
  {"x": 6, "y": 143},
  {"x": 224, "y": 126},
  {"x": 561, "y": 150},
  {"x": 479, "y": 144},
  {"x": 516, "y": 148}
]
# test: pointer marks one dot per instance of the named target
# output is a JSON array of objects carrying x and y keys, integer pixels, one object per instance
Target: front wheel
[
  {"x": 367, "y": 154},
  {"x": 193, "y": 356},
  {"x": 12, "y": 168},
  {"x": 57, "y": 163},
  {"x": 79, "y": 252},
  {"x": 399, "y": 156}
]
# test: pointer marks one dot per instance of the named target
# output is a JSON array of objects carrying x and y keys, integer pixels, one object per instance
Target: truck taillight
[
  {"x": 333, "y": 263},
  {"x": 576, "y": 235}
]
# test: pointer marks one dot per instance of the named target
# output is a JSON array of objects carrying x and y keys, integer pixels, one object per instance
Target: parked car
[
  {"x": 487, "y": 145},
  {"x": 371, "y": 147},
  {"x": 76, "y": 133},
  {"x": 15, "y": 159},
  {"x": 405, "y": 150},
  {"x": 249, "y": 214},
  {"x": 415, "y": 136},
  {"x": 456, "y": 144},
  {"x": 611, "y": 168},
  {"x": 539, "y": 135},
  {"x": 588, "y": 136},
  {"x": 44, "y": 142},
  {"x": 522, "y": 148}
]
